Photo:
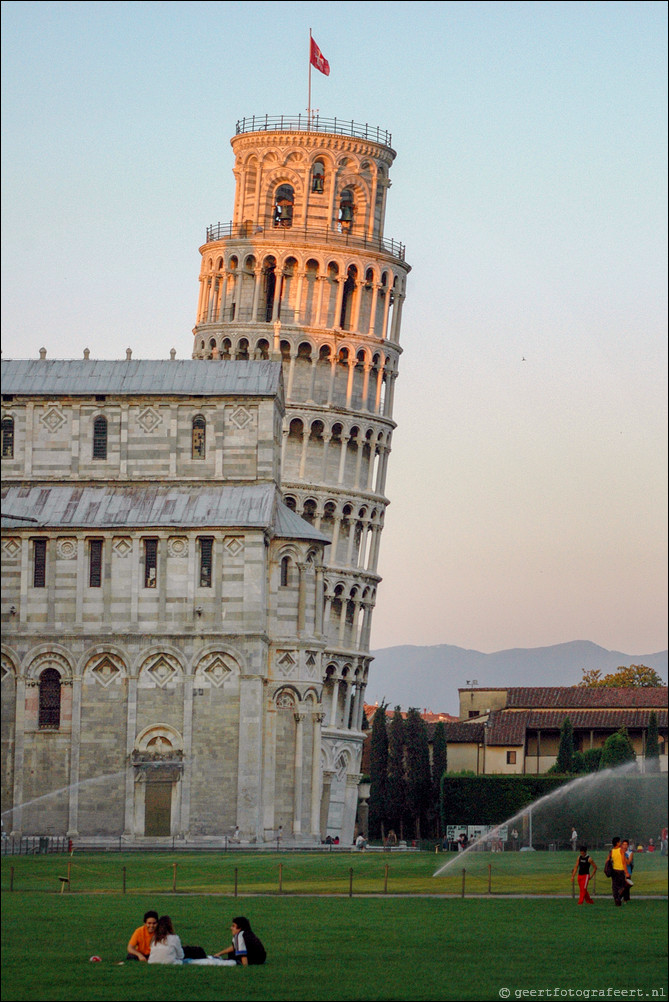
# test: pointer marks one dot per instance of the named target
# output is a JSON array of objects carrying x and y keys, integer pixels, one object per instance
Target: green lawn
[
  {"x": 330, "y": 947},
  {"x": 322, "y": 873},
  {"x": 334, "y": 948}
]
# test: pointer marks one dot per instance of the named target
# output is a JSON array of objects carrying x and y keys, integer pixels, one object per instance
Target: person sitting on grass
[
  {"x": 139, "y": 946},
  {"x": 166, "y": 947},
  {"x": 246, "y": 947}
]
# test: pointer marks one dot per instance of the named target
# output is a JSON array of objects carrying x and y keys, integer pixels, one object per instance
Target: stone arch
[
  {"x": 9, "y": 664},
  {"x": 286, "y": 697},
  {"x": 48, "y": 656},
  {"x": 105, "y": 664},
  {"x": 160, "y": 666},
  {"x": 216, "y": 666},
  {"x": 157, "y": 736}
]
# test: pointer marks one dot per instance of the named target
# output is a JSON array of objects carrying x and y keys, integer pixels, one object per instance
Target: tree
[
  {"x": 565, "y": 756},
  {"x": 617, "y": 750},
  {"x": 652, "y": 757},
  {"x": 636, "y": 676},
  {"x": 419, "y": 780},
  {"x": 439, "y": 766},
  {"x": 396, "y": 789},
  {"x": 378, "y": 766}
]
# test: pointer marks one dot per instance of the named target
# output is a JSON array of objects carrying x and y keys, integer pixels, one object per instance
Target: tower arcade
[{"x": 304, "y": 273}]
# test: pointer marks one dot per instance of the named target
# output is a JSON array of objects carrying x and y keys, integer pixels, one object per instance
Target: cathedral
[{"x": 190, "y": 547}]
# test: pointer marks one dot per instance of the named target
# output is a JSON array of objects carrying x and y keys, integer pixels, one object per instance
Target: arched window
[
  {"x": 285, "y": 572},
  {"x": 100, "y": 438},
  {"x": 8, "y": 438},
  {"x": 283, "y": 206},
  {"x": 199, "y": 438},
  {"x": 346, "y": 210},
  {"x": 318, "y": 177},
  {"x": 49, "y": 699}
]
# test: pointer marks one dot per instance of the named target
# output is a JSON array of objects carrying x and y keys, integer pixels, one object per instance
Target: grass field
[
  {"x": 329, "y": 947},
  {"x": 410, "y": 873}
]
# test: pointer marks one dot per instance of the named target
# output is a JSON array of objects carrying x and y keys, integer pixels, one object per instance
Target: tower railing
[
  {"x": 314, "y": 123},
  {"x": 293, "y": 234}
]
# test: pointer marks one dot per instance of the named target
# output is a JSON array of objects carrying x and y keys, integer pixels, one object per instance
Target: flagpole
[{"x": 309, "y": 101}]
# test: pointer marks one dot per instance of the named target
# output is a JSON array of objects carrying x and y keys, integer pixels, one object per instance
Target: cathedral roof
[
  {"x": 153, "y": 506},
  {"x": 148, "y": 377}
]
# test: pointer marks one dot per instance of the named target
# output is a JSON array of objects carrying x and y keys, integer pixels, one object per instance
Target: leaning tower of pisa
[{"x": 304, "y": 273}]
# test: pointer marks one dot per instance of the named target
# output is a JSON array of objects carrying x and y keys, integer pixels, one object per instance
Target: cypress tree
[
  {"x": 378, "y": 766},
  {"x": 565, "y": 756},
  {"x": 397, "y": 786},
  {"x": 439, "y": 766},
  {"x": 652, "y": 745},
  {"x": 419, "y": 780}
]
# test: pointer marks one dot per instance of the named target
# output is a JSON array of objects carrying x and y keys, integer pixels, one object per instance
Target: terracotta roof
[
  {"x": 506, "y": 728},
  {"x": 598, "y": 719},
  {"x": 584, "y": 696},
  {"x": 509, "y": 727},
  {"x": 429, "y": 717},
  {"x": 463, "y": 733}
]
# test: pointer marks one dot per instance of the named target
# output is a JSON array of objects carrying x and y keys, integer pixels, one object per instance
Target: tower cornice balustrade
[
  {"x": 220, "y": 235},
  {"x": 314, "y": 125},
  {"x": 296, "y": 333}
]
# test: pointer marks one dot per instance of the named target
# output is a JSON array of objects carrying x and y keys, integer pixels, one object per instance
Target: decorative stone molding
[
  {"x": 149, "y": 419},
  {"x": 105, "y": 669},
  {"x": 122, "y": 545},
  {"x": 177, "y": 546},
  {"x": 234, "y": 545},
  {"x": 52, "y": 419},
  {"x": 241, "y": 418},
  {"x": 160, "y": 669},
  {"x": 11, "y": 547},
  {"x": 66, "y": 548},
  {"x": 216, "y": 668},
  {"x": 286, "y": 662}
]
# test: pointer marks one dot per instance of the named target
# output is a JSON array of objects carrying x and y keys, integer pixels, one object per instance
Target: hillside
[{"x": 429, "y": 677}]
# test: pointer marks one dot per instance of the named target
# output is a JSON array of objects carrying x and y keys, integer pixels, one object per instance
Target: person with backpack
[
  {"x": 616, "y": 868},
  {"x": 583, "y": 864},
  {"x": 246, "y": 947}
]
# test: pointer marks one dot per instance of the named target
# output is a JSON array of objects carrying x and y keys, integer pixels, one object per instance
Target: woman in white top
[{"x": 166, "y": 947}]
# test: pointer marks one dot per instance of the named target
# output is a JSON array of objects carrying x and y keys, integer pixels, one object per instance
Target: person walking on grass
[
  {"x": 619, "y": 871},
  {"x": 582, "y": 865}
]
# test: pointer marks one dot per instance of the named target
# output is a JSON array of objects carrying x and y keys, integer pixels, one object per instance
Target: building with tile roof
[{"x": 517, "y": 730}]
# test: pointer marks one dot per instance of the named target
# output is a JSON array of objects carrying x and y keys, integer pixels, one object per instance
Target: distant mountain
[{"x": 429, "y": 677}]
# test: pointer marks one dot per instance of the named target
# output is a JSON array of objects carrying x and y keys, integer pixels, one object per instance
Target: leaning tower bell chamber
[{"x": 303, "y": 272}]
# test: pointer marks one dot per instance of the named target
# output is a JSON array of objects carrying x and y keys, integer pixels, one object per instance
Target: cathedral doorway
[{"x": 157, "y": 809}]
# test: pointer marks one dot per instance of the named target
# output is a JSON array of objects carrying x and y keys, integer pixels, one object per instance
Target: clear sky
[{"x": 528, "y": 475}]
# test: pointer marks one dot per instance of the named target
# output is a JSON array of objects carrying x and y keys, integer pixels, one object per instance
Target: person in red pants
[{"x": 582, "y": 865}]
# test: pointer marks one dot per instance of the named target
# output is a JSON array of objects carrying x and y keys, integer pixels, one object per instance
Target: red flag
[{"x": 318, "y": 59}]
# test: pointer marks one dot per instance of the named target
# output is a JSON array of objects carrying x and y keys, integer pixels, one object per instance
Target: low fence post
[
  {"x": 464, "y": 873},
  {"x": 280, "y": 878},
  {"x": 124, "y": 879},
  {"x": 350, "y": 882},
  {"x": 174, "y": 876},
  {"x": 489, "y": 878}
]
